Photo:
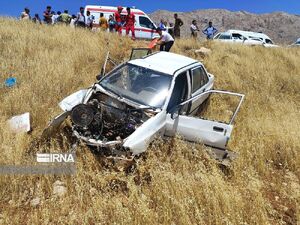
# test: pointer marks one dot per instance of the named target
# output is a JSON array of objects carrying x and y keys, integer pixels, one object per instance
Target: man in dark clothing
[
  {"x": 37, "y": 19},
  {"x": 47, "y": 15},
  {"x": 177, "y": 25}
]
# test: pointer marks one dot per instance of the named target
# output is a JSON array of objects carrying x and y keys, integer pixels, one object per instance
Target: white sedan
[{"x": 156, "y": 95}]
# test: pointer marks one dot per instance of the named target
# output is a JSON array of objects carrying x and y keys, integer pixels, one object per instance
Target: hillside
[
  {"x": 174, "y": 182},
  {"x": 281, "y": 27}
]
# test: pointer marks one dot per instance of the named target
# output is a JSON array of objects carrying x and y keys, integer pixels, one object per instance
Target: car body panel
[
  {"x": 141, "y": 138},
  {"x": 208, "y": 132},
  {"x": 72, "y": 100},
  {"x": 165, "y": 62}
]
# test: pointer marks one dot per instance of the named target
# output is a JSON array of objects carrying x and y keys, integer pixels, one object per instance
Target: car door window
[
  {"x": 180, "y": 91},
  {"x": 145, "y": 22},
  {"x": 199, "y": 78},
  {"x": 237, "y": 36}
]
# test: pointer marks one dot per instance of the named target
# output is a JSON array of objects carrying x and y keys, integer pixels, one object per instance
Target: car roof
[
  {"x": 165, "y": 62},
  {"x": 256, "y": 34}
]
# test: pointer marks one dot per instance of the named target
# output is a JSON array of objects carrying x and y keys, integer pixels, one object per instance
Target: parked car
[
  {"x": 245, "y": 37},
  {"x": 156, "y": 95},
  {"x": 144, "y": 27},
  {"x": 296, "y": 44}
]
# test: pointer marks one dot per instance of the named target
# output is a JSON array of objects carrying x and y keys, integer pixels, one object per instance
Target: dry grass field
[{"x": 174, "y": 182}]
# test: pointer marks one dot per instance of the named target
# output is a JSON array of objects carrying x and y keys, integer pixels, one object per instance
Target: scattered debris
[
  {"x": 35, "y": 202},
  {"x": 203, "y": 50},
  {"x": 10, "y": 82},
  {"x": 20, "y": 123},
  {"x": 93, "y": 191},
  {"x": 59, "y": 188}
]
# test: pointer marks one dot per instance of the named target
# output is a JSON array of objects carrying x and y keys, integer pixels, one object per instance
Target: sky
[{"x": 15, "y": 7}]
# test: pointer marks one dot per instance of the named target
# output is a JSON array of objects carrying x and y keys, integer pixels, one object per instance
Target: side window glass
[
  {"x": 268, "y": 41},
  {"x": 145, "y": 22},
  {"x": 237, "y": 36},
  {"x": 224, "y": 37},
  {"x": 199, "y": 78}
]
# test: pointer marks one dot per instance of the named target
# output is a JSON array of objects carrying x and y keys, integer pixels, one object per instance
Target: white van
[
  {"x": 144, "y": 26},
  {"x": 245, "y": 37}
]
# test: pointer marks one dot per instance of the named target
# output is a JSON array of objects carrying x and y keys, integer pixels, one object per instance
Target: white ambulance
[{"x": 145, "y": 28}]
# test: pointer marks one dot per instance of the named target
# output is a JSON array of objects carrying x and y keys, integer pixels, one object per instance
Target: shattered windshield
[{"x": 139, "y": 84}]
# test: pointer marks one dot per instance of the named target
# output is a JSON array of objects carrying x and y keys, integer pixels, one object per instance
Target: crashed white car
[
  {"x": 156, "y": 95},
  {"x": 245, "y": 37}
]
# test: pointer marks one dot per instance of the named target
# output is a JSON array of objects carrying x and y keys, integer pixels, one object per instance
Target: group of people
[
  {"x": 116, "y": 22},
  {"x": 209, "y": 31},
  {"x": 51, "y": 17},
  {"x": 174, "y": 28},
  {"x": 169, "y": 33}
]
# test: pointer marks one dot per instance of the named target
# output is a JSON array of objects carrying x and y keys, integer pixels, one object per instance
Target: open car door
[
  {"x": 138, "y": 53},
  {"x": 211, "y": 133}
]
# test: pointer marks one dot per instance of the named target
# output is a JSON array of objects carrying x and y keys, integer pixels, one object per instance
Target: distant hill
[{"x": 281, "y": 27}]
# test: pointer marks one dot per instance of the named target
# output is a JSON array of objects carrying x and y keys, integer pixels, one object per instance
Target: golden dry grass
[{"x": 174, "y": 182}]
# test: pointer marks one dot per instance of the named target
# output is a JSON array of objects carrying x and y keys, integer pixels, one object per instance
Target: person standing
[
  {"x": 25, "y": 15},
  {"x": 37, "y": 19},
  {"x": 170, "y": 29},
  {"x": 165, "y": 41},
  {"x": 210, "y": 31},
  {"x": 80, "y": 21},
  {"x": 130, "y": 20},
  {"x": 65, "y": 17},
  {"x": 111, "y": 23},
  {"x": 73, "y": 21},
  {"x": 47, "y": 15},
  {"x": 89, "y": 20},
  {"x": 177, "y": 25},
  {"x": 55, "y": 17},
  {"x": 103, "y": 22},
  {"x": 194, "y": 29},
  {"x": 119, "y": 20}
]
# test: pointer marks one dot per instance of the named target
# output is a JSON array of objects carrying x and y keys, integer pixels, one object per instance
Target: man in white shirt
[
  {"x": 80, "y": 21},
  {"x": 194, "y": 29},
  {"x": 165, "y": 41},
  {"x": 25, "y": 15},
  {"x": 89, "y": 20}
]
